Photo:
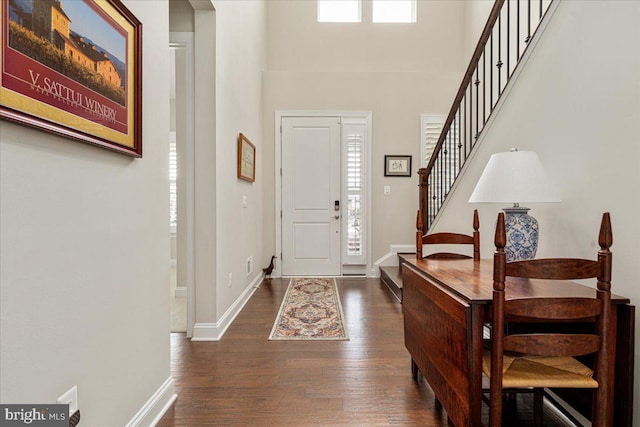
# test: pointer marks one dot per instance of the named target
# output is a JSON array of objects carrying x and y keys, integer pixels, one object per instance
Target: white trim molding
[
  {"x": 390, "y": 259},
  {"x": 185, "y": 40},
  {"x": 215, "y": 331},
  {"x": 157, "y": 405}
]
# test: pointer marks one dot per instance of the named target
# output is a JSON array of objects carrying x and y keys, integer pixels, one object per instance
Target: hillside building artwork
[{"x": 49, "y": 21}]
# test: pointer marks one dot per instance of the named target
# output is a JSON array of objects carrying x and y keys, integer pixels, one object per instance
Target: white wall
[
  {"x": 476, "y": 13},
  {"x": 205, "y": 120},
  {"x": 85, "y": 258},
  {"x": 396, "y": 71},
  {"x": 181, "y": 16},
  {"x": 576, "y": 103},
  {"x": 240, "y": 56},
  {"x": 229, "y": 42}
]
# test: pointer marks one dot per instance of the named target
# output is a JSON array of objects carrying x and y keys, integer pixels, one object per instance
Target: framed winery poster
[{"x": 73, "y": 68}]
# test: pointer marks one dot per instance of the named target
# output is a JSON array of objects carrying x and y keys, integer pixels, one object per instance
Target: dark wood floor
[{"x": 244, "y": 379}]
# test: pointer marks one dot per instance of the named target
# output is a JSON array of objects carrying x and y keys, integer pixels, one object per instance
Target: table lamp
[{"x": 516, "y": 177}]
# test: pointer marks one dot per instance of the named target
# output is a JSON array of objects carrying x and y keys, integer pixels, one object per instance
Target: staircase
[
  {"x": 392, "y": 276},
  {"x": 511, "y": 28},
  {"x": 508, "y": 33}
]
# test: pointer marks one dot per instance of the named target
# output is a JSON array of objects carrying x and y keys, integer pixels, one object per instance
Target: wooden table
[{"x": 445, "y": 305}]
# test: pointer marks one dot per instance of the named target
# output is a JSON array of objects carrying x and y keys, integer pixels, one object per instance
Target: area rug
[{"x": 310, "y": 310}]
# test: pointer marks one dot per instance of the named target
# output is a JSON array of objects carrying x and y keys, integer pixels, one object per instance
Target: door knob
[{"x": 337, "y": 216}]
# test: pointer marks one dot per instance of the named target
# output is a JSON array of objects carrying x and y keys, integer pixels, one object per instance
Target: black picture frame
[{"x": 397, "y": 166}]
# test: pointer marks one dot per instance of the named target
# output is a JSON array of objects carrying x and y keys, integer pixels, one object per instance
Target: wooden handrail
[{"x": 484, "y": 37}]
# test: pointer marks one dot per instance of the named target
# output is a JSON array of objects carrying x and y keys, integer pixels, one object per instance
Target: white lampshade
[{"x": 514, "y": 177}]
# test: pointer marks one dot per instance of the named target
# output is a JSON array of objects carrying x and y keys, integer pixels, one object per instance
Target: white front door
[{"x": 311, "y": 205}]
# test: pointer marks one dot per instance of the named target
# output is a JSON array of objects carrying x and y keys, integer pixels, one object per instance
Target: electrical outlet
[
  {"x": 249, "y": 265},
  {"x": 70, "y": 397},
  {"x": 230, "y": 279}
]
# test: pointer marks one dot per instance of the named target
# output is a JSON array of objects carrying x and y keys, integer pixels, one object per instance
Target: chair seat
[{"x": 542, "y": 371}]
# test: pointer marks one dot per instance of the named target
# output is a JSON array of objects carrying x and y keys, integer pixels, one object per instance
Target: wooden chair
[
  {"x": 447, "y": 239},
  {"x": 537, "y": 360}
]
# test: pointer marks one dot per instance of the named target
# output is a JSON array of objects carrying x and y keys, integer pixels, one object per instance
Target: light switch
[
  {"x": 387, "y": 190},
  {"x": 244, "y": 201}
]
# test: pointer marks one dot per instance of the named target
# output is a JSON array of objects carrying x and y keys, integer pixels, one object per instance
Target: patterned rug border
[{"x": 283, "y": 305}]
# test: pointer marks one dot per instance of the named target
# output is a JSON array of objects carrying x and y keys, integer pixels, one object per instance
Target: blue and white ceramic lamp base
[{"x": 522, "y": 234}]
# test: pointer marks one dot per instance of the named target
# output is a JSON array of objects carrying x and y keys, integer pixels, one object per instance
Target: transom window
[
  {"x": 394, "y": 11},
  {"x": 383, "y": 11},
  {"x": 339, "y": 11}
]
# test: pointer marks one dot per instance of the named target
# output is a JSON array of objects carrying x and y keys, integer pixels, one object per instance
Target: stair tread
[
  {"x": 390, "y": 276},
  {"x": 394, "y": 275}
]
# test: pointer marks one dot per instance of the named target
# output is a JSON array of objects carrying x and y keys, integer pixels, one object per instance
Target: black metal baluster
[
  {"x": 518, "y": 31},
  {"x": 440, "y": 181},
  {"x": 491, "y": 71},
  {"x": 477, "y": 83},
  {"x": 461, "y": 124},
  {"x": 458, "y": 138},
  {"x": 435, "y": 187},
  {"x": 484, "y": 86},
  {"x": 444, "y": 177},
  {"x": 508, "y": 37},
  {"x": 454, "y": 156},
  {"x": 449, "y": 167},
  {"x": 540, "y": 11},
  {"x": 430, "y": 182},
  {"x": 430, "y": 207},
  {"x": 528, "y": 22},
  {"x": 470, "y": 88},
  {"x": 445, "y": 168},
  {"x": 456, "y": 123},
  {"x": 470, "y": 116},
  {"x": 432, "y": 193},
  {"x": 499, "y": 64},
  {"x": 464, "y": 125},
  {"x": 463, "y": 150},
  {"x": 449, "y": 161}
]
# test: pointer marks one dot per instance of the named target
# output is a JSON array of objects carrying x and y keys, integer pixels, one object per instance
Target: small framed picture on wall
[
  {"x": 397, "y": 166},
  {"x": 246, "y": 159}
]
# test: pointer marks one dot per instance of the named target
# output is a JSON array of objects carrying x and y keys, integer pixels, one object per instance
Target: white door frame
[
  {"x": 185, "y": 41},
  {"x": 367, "y": 116}
]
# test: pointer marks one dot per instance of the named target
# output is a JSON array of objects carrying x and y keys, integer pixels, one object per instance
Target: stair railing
[{"x": 503, "y": 42}]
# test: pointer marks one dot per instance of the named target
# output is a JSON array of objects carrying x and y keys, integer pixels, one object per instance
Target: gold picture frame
[
  {"x": 75, "y": 71},
  {"x": 246, "y": 159}
]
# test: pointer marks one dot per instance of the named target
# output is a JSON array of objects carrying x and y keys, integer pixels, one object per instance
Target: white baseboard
[
  {"x": 215, "y": 331},
  {"x": 390, "y": 259},
  {"x": 152, "y": 411}
]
